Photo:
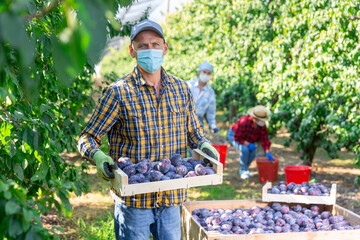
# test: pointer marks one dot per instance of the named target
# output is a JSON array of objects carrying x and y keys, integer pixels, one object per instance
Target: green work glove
[
  {"x": 104, "y": 164},
  {"x": 210, "y": 150}
]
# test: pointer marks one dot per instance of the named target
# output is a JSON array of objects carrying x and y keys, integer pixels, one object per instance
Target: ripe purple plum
[
  {"x": 190, "y": 174},
  {"x": 147, "y": 162},
  {"x": 170, "y": 174},
  {"x": 176, "y": 160},
  {"x": 188, "y": 166},
  {"x": 200, "y": 170},
  {"x": 176, "y": 176},
  {"x": 136, "y": 178},
  {"x": 181, "y": 170},
  {"x": 164, "y": 165},
  {"x": 209, "y": 171},
  {"x": 141, "y": 167},
  {"x": 123, "y": 162},
  {"x": 155, "y": 176},
  {"x": 164, "y": 178},
  {"x": 130, "y": 170}
]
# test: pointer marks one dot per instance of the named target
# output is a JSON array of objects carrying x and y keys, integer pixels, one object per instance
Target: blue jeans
[
  {"x": 246, "y": 156},
  {"x": 137, "y": 223}
]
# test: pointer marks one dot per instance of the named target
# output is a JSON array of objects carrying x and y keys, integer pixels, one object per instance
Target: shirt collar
[{"x": 139, "y": 79}]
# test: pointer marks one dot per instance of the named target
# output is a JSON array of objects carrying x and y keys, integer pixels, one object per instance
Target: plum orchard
[
  {"x": 174, "y": 168},
  {"x": 299, "y": 58},
  {"x": 276, "y": 218},
  {"x": 44, "y": 47}
]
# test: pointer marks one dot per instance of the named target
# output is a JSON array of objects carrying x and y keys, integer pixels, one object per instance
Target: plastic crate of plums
[
  {"x": 254, "y": 219},
  {"x": 167, "y": 174},
  {"x": 313, "y": 193}
]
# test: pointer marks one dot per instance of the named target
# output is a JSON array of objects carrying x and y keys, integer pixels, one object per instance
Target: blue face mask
[{"x": 150, "y": 59}]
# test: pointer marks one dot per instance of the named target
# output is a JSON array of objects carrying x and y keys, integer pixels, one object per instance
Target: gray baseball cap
[{"x": 146, "y": 25}]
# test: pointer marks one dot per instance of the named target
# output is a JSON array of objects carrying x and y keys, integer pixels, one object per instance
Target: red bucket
[
  {"x": 268, "y": 171},
  {"x": 297, "y": 174},
  {"x": 222, "y": 149}
]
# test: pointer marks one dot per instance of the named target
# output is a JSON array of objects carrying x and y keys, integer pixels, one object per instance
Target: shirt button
[{"x": 159, "y": 111}]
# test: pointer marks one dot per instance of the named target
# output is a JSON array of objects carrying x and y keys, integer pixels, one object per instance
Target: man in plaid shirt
[
  {"x": 146, "y": 114},
  {"x": 245, "y": 132}
]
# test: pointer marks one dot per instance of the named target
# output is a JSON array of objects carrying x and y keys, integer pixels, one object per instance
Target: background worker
[
  {"x": 245, "y": 132},
  {"x": 204, "y": 96},
  {"x": 146, "y": 114}
]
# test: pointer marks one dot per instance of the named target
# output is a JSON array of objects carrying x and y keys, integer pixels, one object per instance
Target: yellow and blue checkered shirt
[{"x": 140, "y": 125}]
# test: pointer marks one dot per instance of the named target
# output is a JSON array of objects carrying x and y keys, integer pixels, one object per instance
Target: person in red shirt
[{"x": 245, "y": 132}]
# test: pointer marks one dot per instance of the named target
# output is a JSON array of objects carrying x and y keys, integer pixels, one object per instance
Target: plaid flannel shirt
[
  {"x": 141, "y": 126},
  {"x": 244, "y": 130}
]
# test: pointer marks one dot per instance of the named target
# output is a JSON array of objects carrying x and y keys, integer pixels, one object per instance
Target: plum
[
  {"x": 164, "y": 178},
  {"x": 176, "y": 176},
  {"x": 123, "y": 162},
  {"x": 325, "y": 214},
  {"x": 188, "y": 166},
  {"x": 285, "y": 209},
  {"x": 164, "y": 165},
  {"x": 170, "y": 174},
  {"x": 155, "y": 176},
  {"x": 181, "y": 170},
  {"x": 209, "y": 171},
  {"x": 190, "y": 174},
  {"x": 200, "y": 170},
  {"x": 147, "y": 162},
  {"x": 130, "y": 170},
  {"x": 196, "y": 212},
  {"x": 136, "y": 178},
  {"x": 297, "y": 208},
  {"x": 141, "y": 167},
  {"x": 176, "y": 160}
]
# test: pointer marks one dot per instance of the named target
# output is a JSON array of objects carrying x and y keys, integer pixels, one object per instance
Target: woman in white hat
[{"x": 245, "y": 132}]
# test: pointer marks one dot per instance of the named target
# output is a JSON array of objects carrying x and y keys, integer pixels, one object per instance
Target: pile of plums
[
  {"x": 166, "y": 169},
  {"x": 312, "y": 189},
  {"x": 275, "y": 218}
]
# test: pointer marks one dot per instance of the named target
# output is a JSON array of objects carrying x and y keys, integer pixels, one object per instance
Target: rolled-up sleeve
[{"x": 103, "y": 118}]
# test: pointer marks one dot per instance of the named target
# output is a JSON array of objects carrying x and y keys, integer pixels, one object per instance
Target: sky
[{"x": 158, "y": 9}]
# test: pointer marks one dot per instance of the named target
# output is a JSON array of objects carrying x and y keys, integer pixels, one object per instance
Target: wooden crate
[
  {"x": 120, "y": 182},
  {"x": 293, "y": 198},
  {"x": 192, "y": 230}
]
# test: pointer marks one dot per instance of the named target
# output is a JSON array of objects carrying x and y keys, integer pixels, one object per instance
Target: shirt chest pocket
[
  {"x": 178, "y": 114},
  {"x": 132, "y": 114}
]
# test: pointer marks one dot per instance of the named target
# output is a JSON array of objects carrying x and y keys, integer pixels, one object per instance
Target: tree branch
[{"x": 44, "y": 11}]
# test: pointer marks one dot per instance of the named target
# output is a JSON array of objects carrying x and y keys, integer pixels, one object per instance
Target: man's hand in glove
[
  {"x": 269, "y": 156},
  {"x": 104, "y": 164},
  {"x": 251, "y": 147},
  {"x": 210, "y": 150}
]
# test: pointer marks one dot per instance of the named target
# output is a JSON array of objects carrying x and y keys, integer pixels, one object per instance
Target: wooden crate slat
[
  {"x": 120, "y": 182},
  {"x": 293, "y": 198},
  {"x": 192, "y": 230}
]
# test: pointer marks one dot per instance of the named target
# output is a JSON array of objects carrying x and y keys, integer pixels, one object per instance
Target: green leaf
[
  {"x": 12, "y": 207},
  {"x": 95, "y": 22},
  {"x": 69, "y": 57},
  {"x": 44, "y": 108},
  {"x": 15, "y": 228},
  {"x": 28, "y": 215},
  {"x": 19, "y": 171},
  {"x": 12, "y": 29}
]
